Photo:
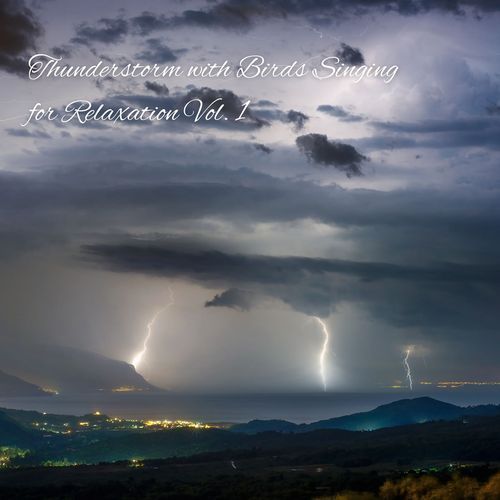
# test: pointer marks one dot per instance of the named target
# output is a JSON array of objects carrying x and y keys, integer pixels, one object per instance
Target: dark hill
[
  {"x": 478, "y": 439},
  {"x": 11, "y": 386},
  {"x": 65, "y": 369},
  {"x": 403, "y": 412},
  {"x": 256, "y": 426},
  {"x": 14, "y": 434}
]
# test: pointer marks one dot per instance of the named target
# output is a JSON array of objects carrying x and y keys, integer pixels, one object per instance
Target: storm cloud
[
  {"x": 317, "y": 286},
  {"x": 233, "y": 298},
  {"x": 243, "y": 14},
  {"x": 339, "y": 112},
  {"x": 263, "y": 148},
  {"x": 253, "y": 228},
  {"x": 156, "y": 52},
  {"x": 324, "y": 152},
  {"x": 106, "y": 31},
  {"x": 297, "y": 118},
  {"x": 89, "y": 197},
  {"x": 20, "y": 33},
  {"x": 160, "y": 89},
  {"x": 439, "y": 133},
  {"x": 350, "y": 55}
]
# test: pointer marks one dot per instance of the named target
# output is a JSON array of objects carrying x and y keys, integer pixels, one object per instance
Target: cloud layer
[{"x": 20, "y": 32}]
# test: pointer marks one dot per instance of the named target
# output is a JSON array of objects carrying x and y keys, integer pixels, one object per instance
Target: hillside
[
  {"x": 14, "y": 434},
  {"x": 66, "y": 369},
  {"x": 476, "y": 440},
  {"x": 102, "y": 439},
  {"x": 403, "y": 412},
  {"x": 12, "y": 386}
]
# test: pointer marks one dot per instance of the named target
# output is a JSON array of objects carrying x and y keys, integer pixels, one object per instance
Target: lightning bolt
[
  {"x": 138, "y": 357},
  {"x": 407, "y": 366},
  {"x": 324, "y": 349}
]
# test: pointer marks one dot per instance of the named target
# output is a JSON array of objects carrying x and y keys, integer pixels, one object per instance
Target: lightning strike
[
  {"x": 407, "y": 366},
  {"x": 138, "y": 357},
  {"x": 324, "y": 349}
]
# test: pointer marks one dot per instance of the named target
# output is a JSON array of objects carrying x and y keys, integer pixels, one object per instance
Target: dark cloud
[
  {"x": 224, "y": 16},
  {"x": 263, "y": 148},
  {"x": 148, "y": 22},
  {"x": 297, "y": 118},
  {"x": 64, "y": 51},
  {"x": 494, "y": 109},
  {"x": 19, "y": 33},
  {"x": 160, "y": 259},
  {"x": 265, "y": 103},
  {"x": 404, "y": 7},
  {"x": 95, "y": 194},
  {"x": 107, "y": 31},
  {"x": 424, "y": 259},
  {"x": 160, "y": 89},
  {"x": 350, "y": 55},
  {"x": 339, "y": 112},
  {"x": 234, "y": 298},
  {"x": 416, "y": 228},
  {"x": 386, "y": 142},
  {"x": 321, "y": 151},
  {"x": 59, "y": 207},
  {"x": 23, "y": 132},
  {"x": 243, "y": 14},
  {"x": 270, "y": 112},
  {"x": 452, "y": 133},
  {"x": 316, "y": 286},
  {"x": 436, "y": 126},
  {"x": 156, "y": 52}
]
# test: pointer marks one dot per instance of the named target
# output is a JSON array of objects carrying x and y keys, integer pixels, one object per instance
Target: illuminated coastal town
[
  {"x": 85, "y": 429},
  {"x": 96, "y": 421}
]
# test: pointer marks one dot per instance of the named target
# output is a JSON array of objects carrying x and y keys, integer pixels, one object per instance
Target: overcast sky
[{"x": 373, "y": 206}]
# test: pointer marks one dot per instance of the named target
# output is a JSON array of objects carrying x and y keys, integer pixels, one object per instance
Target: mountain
[
  {"x": 478, "y": 439},
  {"x": 65, "y": 369},
  {"x": 471, "y": 438},
  {"x": 174, "y": 442},
  {"x": 14, "y": 434},
  {"x": 12, "y": 386},
  {"x": 402, "y": 412},
  {"x": 213, "y": 463},
  {"x": 256, "y": 426}
]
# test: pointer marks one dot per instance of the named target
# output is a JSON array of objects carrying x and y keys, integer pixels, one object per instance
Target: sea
[{"x": 294, "y": 407}]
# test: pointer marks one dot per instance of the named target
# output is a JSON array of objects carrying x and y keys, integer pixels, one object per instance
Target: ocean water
[{"x": 236, "y": 408}]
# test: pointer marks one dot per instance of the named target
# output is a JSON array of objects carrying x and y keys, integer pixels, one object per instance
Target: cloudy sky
[{"x": 371, "y": 205}]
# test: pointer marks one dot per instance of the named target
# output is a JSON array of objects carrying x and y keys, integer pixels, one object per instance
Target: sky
[{"x": 373, "y": 206}]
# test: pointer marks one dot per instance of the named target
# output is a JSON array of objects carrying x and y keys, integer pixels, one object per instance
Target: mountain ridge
[
  {"x": 472, "y": 438},
  {"x": 71, "y": 370},
  {"x": 401, "y": 412},
  {"x": 10, "y": 386}
]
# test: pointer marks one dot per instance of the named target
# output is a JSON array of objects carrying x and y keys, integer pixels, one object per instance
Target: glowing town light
[
  {"x": 138, "y": 357},
  {"x": 323, "y": 352}
]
